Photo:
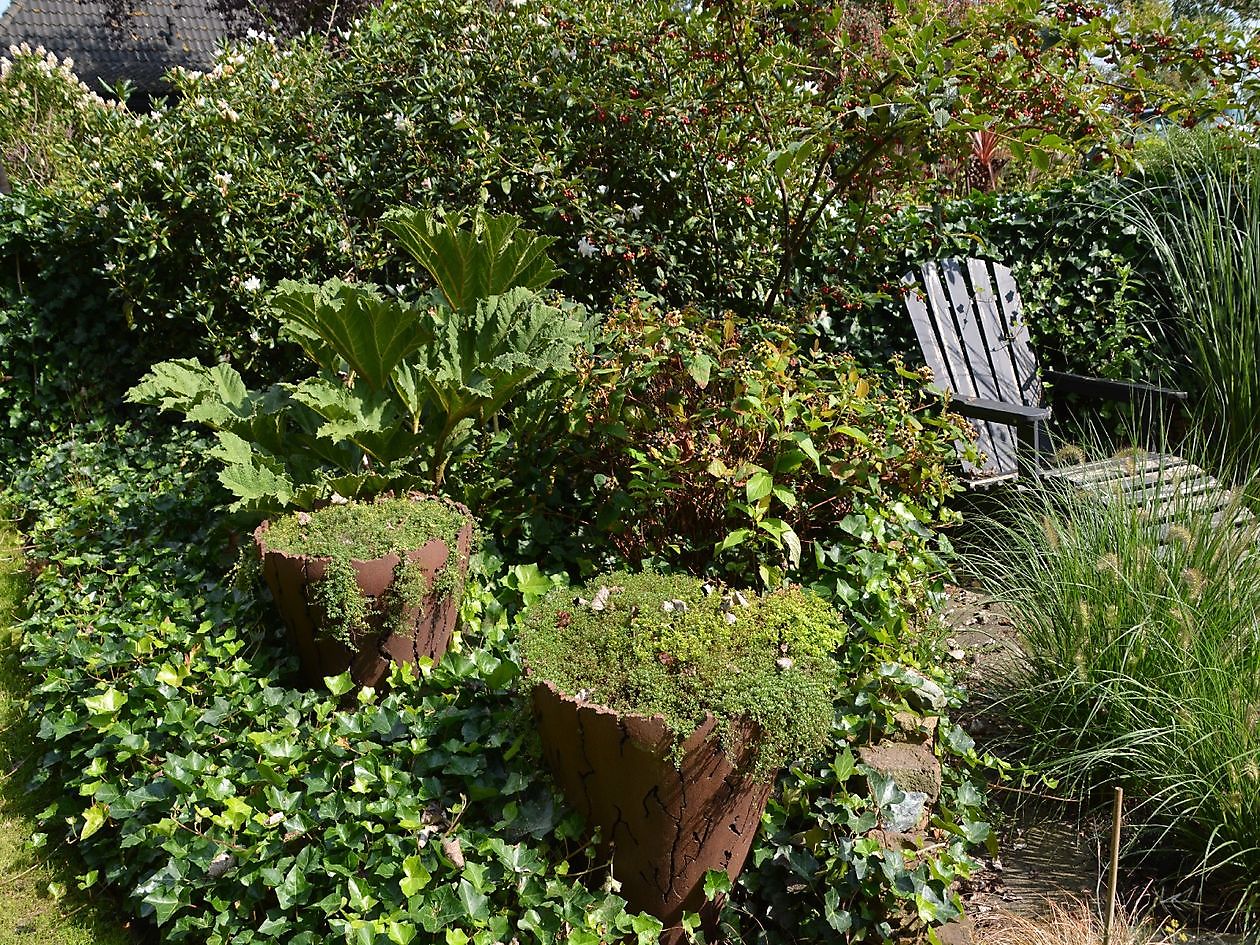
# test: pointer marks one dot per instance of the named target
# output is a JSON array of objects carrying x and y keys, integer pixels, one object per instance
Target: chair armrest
[
  {"x": 977, "y": 408},
  {"x": 1110, "y": 389}
]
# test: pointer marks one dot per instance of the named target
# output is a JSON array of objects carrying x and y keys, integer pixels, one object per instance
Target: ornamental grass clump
[
  {"x": 1203, "y": 225},
  {"x": 675, "y": 646},
  {"x": 1140, "y": 643}
]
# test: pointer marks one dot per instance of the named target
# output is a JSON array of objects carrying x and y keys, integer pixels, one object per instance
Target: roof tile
[{"x": 165, "y": 33}]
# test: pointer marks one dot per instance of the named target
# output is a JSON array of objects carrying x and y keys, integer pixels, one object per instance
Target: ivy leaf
[
  {"x": 164, "y": 902},
  {"x": 93, "y": 820},
  {"x": 400, "y": 933},
  {"x": 476, "y": 904},
  {"x": 107, "y": 703},
  {"x": 415, "y": 876},
  {"x": 839, "y": 919},
  {"x": 339, "y": 685},
  {"x": 716, "y": 883},
  {"x": 647, "y": 927}
]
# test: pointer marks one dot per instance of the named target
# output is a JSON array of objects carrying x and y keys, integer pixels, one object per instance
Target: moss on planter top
[
  {"x": 675, "y": 646},
  {"x": 366, "y": 530}
]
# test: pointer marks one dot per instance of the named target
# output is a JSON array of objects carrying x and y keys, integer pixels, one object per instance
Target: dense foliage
[
  {"x": 670, "y": 645},
  {"x": 228, "y": 805},
  {"x": 702, "y": 156},
  {"x": 696, "y": 169},
  {"x": 400, "y": 387},
  {"x": 693, "y": 443}
]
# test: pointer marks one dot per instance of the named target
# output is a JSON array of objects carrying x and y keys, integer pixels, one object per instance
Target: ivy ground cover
[
  {"x": 37, "y": 898},
  {"x": 229, "y": 806}
]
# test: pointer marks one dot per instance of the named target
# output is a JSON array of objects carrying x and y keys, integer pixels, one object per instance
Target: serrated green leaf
[
  {"x": 371, "y": 334},
  {"x": 700, "y": 367},
  {"x": 471, "y": 260}
]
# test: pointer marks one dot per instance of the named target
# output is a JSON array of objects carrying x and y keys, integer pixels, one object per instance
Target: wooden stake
[{"x": 1115, "y": 865}]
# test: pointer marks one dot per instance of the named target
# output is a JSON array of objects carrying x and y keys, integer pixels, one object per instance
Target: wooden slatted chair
[{"x": 968, "y": 318}]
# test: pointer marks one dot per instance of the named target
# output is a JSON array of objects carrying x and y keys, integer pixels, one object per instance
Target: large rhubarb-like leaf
[
  {"x": 371, "y": 334},
  {"x": 215, "y": 396},
  {"x": 479, "y": 360},
  {"x": 470, "y": 263}
]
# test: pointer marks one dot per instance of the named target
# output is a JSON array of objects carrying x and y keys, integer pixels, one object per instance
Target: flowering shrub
[{"x": 49, "y": 119}]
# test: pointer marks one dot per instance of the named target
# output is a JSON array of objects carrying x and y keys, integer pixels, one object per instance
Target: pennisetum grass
[{"x": 1140, "y": 640}]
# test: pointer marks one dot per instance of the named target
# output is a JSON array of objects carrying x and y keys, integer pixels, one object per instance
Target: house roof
[{"x": 154, "y": 36}]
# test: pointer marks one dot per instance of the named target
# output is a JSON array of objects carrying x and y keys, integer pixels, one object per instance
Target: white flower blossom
[
  {"x": 635, "y": 212},
  {"x": 223, "y": 179},
  {"x": 586, "y": 249},
  {"x": 252, "y": 284}
]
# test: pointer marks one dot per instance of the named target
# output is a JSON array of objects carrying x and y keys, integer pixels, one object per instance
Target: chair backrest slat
[
  {"x": 997, "y": 341},
  {"x": 954, "y": 373},
  {"x": 1025, "y": 362},
  {"x": 966, "y": 322},
  {"x": 968, "y": 318}
]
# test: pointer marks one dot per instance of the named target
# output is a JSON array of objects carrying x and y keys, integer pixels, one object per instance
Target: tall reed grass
[
  {"x": 1203, "y": 224},
  {"x": 1141, "y": 667}
]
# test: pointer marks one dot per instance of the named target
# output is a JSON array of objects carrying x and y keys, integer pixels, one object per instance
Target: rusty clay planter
[
  {"x": 429, "y": 627},
  {"x": 666, "y": 825}
]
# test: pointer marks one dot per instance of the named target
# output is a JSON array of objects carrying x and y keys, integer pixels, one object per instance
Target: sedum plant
[
  {"x": 676, "y": 646},
  {"x": 398, "y": 388}
]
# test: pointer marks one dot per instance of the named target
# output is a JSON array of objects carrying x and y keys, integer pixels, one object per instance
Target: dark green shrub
[
  {"x": 1091, "y": 289},
  {"x": 648, "y": 644},
  {"x": 694, "y": 155},
  {"x": 734, "y": 453}
]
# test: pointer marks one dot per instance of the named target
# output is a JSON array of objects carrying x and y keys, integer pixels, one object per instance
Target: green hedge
[{"x": 1093, "y": 293}]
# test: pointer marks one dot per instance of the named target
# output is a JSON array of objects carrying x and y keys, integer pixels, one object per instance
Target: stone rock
[
  {"x": 909, "y": 812},
  {"x": 912, "y": 766},
  {"x": 913, "y": 727},
  {"x": 959, "y": 932}
]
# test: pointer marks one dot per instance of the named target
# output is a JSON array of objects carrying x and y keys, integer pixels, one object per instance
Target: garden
[{"x": 470, "y": 474}]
